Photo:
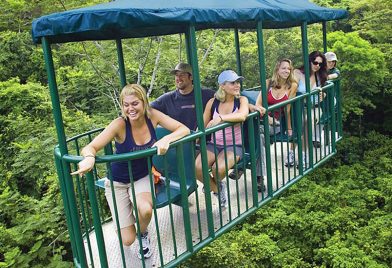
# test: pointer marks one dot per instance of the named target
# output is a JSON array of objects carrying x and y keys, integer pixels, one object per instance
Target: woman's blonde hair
[
  {"x": 139, "y": 92},
  {"x": 220, "y": 94},
  {"x": 278, "y": 82}
]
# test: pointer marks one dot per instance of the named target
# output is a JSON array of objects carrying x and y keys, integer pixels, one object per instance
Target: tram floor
[{"x": 172, "y": 232}]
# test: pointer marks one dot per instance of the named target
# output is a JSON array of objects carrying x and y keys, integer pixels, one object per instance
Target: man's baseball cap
[
  {"x": 228, "y": 76},
  {"x": 182, "y": 67}
]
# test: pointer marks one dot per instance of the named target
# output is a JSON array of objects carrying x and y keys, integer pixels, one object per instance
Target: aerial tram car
[{"x": 185, "y": 219}]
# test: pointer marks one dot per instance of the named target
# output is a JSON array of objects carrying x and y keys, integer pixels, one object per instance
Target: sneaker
[
  {"x": 260, "y": 184},
  {"x": 222, "y": 195},
  {"x": 290, "y": 160},
  {"x": 316, "y": 144},
  {"x": 303, "y": 161},
  {"x": 146, "y": 246},
  {"x": 236, "y": 175}
]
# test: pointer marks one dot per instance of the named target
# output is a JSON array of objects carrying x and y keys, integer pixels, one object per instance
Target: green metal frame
[{"x": 92, "y": 209}]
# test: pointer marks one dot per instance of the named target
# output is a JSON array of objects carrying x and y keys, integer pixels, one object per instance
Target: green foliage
[
  {"x": 32, "y": 224},
  {"x": 19, "y": 58},
  {"x": 363, "y": 71},
  {"x": 339, "y": 216},
  {"x": 32, "y": 232},
  {"x": 372, "y": 19},
  {"x": 17, "y": 15}
]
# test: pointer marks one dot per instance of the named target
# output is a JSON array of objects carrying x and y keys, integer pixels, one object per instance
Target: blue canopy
[{"x": 141, "y": 18}]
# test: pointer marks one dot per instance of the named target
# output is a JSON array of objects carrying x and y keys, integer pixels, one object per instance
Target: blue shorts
[{"x": 219, "y": 148}]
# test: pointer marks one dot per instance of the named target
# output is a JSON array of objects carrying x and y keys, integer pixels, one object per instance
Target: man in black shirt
[{"x": 180, "y": 103}]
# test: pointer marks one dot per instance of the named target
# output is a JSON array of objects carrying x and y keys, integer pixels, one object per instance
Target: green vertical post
[
  {"x": 67, "y": 179},
  {"x": 96, "y": 220},
  {"x": 331, "y": 104},
  {"x": 339, "y": 106},
  {"x": 184, "y": 197},
  {"x": 263, "y": 78},
  {"x": 252, "y": 147},
  {"x": 121, "y": 65},
  {"x": 65, "y": 201},
  {"x": 192, "y": 56},
  {"x": 325, "y": 36},
  {"x": 188, "y": 47},
  {"x": 305, "y": 54},
  {"x": 238, "y": 52}
]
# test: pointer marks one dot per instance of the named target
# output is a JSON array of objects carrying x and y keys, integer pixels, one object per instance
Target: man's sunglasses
[{"x": 317, "y": 63}]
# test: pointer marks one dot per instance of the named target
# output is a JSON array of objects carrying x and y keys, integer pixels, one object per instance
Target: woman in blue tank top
[{"x": 133, "y": 131}]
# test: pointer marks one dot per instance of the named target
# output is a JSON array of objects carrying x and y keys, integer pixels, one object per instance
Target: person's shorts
[
  {"x": 229, "y": 148},
  {"x": 123, "y": 193}
]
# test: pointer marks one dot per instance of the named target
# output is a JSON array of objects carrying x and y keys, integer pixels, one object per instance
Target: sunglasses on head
[{"x": 317, "y": 63}]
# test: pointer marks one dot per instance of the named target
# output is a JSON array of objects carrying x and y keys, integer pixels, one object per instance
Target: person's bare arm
[
  {"x": 239, "y": 116},
  {"x": 91, "y": 149},
  {"x": 178, "y": 130},
  {"x": 292, "y": 94}
]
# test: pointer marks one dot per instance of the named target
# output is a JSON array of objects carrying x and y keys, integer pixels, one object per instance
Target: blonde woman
[
  {"x": 226, "y": 106},
  {"x": 133, "y": 131},
  {"x": 281, "y": 87}
]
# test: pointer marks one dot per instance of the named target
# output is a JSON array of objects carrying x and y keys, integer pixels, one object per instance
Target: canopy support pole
[
  {"x": 238, "y": 53},
  {"x": 263, "y": 78},
  {"x": 190, "y": 36},
  {"x": 68, "y": 192},
  {"x": 325, "y": 36},
  {"x": 305, "y": 53},
  {"x": 121, "y": 65}
]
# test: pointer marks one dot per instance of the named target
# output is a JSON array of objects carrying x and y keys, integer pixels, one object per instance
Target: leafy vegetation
[{"x": 337, "y": 217}]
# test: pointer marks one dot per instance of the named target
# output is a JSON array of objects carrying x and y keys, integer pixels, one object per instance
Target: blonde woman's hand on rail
[
  {"x": 178, "y": 130},
  {"x": 162, "y": 146},
  {"x": 215, "y": 121},
  {"x": 86, "y": 165},
  {"x": 258, "y": 108}
]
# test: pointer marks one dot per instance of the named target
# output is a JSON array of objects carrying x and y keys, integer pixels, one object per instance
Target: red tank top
[{"x": 272, "y": 100}]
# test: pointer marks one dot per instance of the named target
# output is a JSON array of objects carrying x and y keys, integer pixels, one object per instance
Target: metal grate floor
[{"x": 240, "y": 200}]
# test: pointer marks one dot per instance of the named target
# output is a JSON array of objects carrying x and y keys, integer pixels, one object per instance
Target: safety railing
[{"x": 186, "y": 218}]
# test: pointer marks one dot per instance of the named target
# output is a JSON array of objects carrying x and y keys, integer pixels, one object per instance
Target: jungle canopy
[{"x": 141, "y": 18}]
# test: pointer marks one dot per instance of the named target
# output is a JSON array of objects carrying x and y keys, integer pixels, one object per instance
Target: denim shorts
[{"x": 229, "y": 148}]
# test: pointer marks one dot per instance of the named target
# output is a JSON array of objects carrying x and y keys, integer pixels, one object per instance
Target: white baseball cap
[{"x": 331, "y": 56}]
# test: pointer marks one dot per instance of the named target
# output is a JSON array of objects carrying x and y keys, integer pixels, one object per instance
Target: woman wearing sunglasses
[{"x": 318, "y": 77}]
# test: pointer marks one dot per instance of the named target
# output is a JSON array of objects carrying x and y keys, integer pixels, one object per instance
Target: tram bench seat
[
  {"x": 168, "y": 166},
  {"x": 168, "y": 189}
]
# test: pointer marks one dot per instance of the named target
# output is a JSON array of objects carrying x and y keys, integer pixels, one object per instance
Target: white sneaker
[
  {"x": 146, "y": 246},
  {"x": 290, "y": 159},
  {"x": 222, "y": 195},
  {"x": 304, "y": 161}
]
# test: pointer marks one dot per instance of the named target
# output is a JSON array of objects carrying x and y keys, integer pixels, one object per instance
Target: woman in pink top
[{"x": 226, "y": 106}]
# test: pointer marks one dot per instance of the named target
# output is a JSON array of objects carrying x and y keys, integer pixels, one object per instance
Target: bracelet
[
  {"x": 89, "y": 155},
  {"x": 220, "y": 117}
]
